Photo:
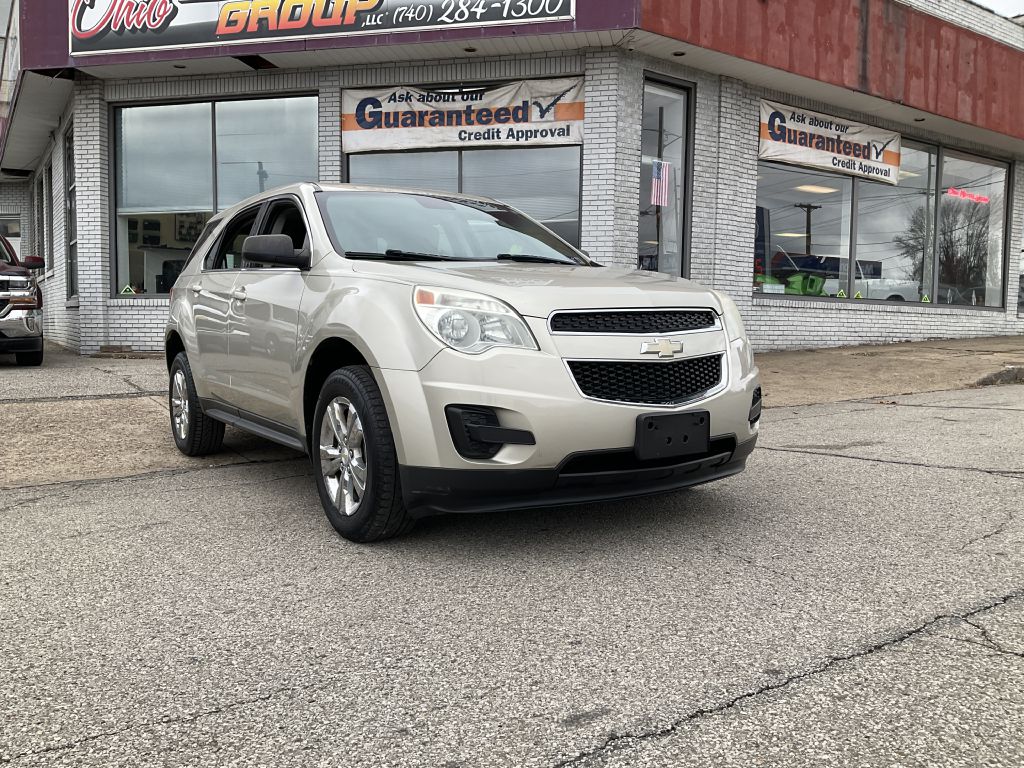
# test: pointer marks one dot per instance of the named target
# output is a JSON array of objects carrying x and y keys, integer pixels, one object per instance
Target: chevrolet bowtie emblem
[{"x": 661, "y": 348}]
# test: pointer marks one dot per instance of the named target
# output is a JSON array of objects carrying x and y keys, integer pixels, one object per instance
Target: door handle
[
  {"x": 197, "y": 289},
  {"x": 238, "y": 295}
]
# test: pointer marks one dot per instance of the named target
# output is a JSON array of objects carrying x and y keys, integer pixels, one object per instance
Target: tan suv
[{"x": 438, "y": 353}]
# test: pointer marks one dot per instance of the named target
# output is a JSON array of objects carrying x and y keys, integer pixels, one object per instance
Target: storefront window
[
  {"x": 174, "y": 161},
  {"x": 438, "y": 171},
  {"x": 970, "y": 234},
  {"x": 543, "y": 182},
  {"x": 802, "y": 243},
  {"x": 256, "y": 149},
  {"x": 935, "y": 237},
  {"x": 895, "y": 231},
  {"x": 663, "y": 178}
]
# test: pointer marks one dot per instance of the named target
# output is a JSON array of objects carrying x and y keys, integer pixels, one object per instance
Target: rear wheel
[
  {"x": 29, "y": 358},
  {"x": 354, "y": 458},
  {"x": 195, "y": 433}
]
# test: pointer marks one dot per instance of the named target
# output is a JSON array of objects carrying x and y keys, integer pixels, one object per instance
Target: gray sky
[{"x": 1005, "y": 7}]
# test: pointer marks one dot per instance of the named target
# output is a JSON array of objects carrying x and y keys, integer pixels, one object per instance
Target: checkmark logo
[
  {"x": 544, "y": 110},
  {"x": 880, "y": 150}
]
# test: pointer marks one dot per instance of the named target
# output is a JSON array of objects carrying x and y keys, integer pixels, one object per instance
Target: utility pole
[
  {"x": 263, "y": 176},
  {"x": 808, "y": 209}
]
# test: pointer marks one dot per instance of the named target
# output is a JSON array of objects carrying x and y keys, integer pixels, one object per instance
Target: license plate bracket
[{"x": 667, "y": 435}]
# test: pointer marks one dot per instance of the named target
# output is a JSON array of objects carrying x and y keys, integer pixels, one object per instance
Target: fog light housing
[
  {"x": 755, "y": 407},
  {"x": 477, "y": 433}
]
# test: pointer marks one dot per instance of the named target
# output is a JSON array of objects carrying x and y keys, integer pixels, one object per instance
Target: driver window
[
  {"x": 229, "y": 251},
  {"x": 285, "y": 218}
]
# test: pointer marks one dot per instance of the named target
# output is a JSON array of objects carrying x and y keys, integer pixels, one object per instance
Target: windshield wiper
[
  {"x": 531, "y": 258},
  {"x": 395, "y": 254}
]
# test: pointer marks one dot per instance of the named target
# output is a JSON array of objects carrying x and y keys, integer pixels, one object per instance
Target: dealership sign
[
  {"x": 521, "y": 114},
  {"x": 115, "y": 26},
  {"x": 801, "y": 137}
]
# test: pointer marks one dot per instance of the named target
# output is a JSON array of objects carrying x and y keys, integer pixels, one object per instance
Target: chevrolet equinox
[{"x": 436, "y": 353}]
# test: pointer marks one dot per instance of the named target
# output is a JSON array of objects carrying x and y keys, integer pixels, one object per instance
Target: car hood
[{"x": 538, "y": 289}]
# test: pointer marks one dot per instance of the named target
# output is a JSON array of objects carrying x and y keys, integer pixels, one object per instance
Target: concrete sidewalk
[{"x": 807, "y": 377}]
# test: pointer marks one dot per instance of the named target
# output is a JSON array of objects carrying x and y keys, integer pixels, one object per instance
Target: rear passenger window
[{"x": 228, "y": 254}]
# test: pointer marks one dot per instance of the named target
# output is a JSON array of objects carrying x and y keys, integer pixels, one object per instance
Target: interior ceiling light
[
  {"x": 908, "y": 174},
  {"x": 814, "y": 189},
  {"x": 791, "y": 234}
]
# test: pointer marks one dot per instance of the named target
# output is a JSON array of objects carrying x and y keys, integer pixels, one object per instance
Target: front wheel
[
  {"x": 195, "y": 433},
  {"x": 354, "y": 458}
]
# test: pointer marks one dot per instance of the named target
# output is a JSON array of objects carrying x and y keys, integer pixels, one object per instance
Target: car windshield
[{"x": 368, "y": 224}]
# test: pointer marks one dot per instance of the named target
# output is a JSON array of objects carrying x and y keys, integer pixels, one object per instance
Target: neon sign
[{"x": 963, "y": 194}]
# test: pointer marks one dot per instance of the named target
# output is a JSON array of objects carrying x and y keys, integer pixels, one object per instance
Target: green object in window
[{"x": 802, "y": 284}]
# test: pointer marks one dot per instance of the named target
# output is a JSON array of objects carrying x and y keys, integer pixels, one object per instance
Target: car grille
[
  {"x": 658, "y": 321},
  {"x": 656, "y": 383}
]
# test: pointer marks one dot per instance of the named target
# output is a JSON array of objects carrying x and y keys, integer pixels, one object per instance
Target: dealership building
[{"x": 848, "y": 171}]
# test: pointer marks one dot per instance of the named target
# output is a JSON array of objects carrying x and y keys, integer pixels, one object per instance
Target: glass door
[{"x": 664, "y": 170}]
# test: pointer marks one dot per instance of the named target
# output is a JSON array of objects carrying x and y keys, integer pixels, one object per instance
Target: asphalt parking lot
[{"x": 856, "y": 598}]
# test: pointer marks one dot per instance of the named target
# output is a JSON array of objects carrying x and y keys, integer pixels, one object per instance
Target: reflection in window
[
  {"x": 437, "y": 171},
  {"x": 662, "y": 178},
  {"x": 543, "y": 182},
  {"x": 970, "y": 234},
  {"x": 802, "y": 243},
  {"x": 167, "y": 183},
  {"x": 256, "y": 146},
  {"x": 895, "y": 231}
]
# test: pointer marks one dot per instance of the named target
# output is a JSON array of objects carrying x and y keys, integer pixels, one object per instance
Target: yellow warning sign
[
  {"x": 841, "y": 294},
  {"x": 925, "y": 299},
  {"x": 857, "y": 295}
]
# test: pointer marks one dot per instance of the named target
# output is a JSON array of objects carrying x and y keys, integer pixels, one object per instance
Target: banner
[
  {"x": 801, "y": 137},
  {"x": 527, "y": 113},
  {"x": 116, "y": 26}
]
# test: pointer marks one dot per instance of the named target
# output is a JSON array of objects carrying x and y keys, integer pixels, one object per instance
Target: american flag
[{"x": 661, "y": 173}]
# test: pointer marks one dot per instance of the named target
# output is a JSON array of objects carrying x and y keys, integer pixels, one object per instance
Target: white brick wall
[{"x": 60, "y": 316}]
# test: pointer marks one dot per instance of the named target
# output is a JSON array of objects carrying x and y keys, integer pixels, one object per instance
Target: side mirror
[
  {"x": 274, "y": 249},
  {"x": 33, "y": 262}
]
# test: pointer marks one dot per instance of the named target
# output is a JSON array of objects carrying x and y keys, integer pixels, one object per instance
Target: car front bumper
[
  {"x": 21, "y": 330},
  {"x": 584, "y": 448}
]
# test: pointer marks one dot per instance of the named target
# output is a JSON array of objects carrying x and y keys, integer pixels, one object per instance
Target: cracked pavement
[{"x": 855, "y": 598}]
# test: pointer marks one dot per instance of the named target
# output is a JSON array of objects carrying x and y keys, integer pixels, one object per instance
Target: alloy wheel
[
  {"x": 343, "y": 458},
  {"x": 179, "y": 405}
]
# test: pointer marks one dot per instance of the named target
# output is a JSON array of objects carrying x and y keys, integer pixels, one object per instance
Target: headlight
[
  {"x": 737, "y": 334},
  {"x": 731, "y": 318},
  {"x": 470, "y": 322}
]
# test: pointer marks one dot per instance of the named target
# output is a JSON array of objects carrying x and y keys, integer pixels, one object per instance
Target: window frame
[
  {"x": 212, "y": 101},
  {"x": 939, "y": 150}
]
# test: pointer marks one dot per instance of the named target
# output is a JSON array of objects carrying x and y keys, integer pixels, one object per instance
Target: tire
[
  {"x": 30, "y": 359},
  {"x": 195, "y": 433},
  {"x": 895, "y": 297},
  {"x": 355, "y": 440}
]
